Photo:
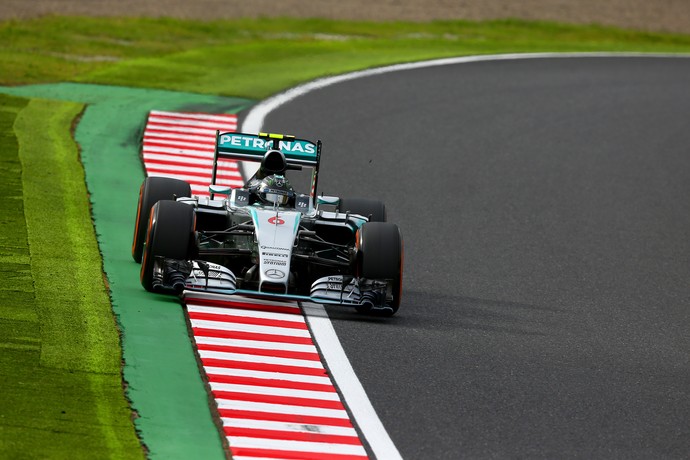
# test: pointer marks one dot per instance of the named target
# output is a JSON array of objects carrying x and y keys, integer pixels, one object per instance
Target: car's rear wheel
[
  {"x": 152, "y": 190},
  {"x": 170, "y": 235},
  {"x": 373, "y": 209},
  {"x": 380, "y": 256}
]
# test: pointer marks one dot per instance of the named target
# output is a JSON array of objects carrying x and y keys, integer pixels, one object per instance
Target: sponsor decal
[
  {"x": 273, "y": 254},
  {"x": 254, "y": 143},
  {"x": 275, "y": 262},
  {"x": 274, "y": 248},
  {"x": 274, "y": 273},
  {"x": 276, "y": 221},
  {"x": 243, "y": 141}
]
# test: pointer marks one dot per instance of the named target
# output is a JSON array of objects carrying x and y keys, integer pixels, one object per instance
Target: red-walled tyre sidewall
[
  {"x": 170, "y": 234},
  {"x": 152, "y": 190}
]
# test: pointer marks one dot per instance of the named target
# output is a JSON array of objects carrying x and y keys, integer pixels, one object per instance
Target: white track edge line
[{"x": 355, "y": 397}]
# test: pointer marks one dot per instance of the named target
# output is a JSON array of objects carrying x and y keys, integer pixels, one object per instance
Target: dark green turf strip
[{"x": 59, "y": 362}]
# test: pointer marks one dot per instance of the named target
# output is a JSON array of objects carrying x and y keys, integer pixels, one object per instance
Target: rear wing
[{"x": 252, "y": 147}]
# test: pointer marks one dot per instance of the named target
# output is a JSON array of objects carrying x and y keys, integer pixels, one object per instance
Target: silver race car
[{"x": 266, "y": 240}]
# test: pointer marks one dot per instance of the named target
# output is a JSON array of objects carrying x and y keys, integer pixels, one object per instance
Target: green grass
[
  {"x": 60, "y": 360},
  {"x": 254, "y": 58}
]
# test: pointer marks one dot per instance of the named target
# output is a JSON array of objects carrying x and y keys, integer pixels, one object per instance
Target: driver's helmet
[{"x": 276, "y": 190}]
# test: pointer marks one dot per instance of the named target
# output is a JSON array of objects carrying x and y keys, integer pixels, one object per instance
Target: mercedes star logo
[{"x": 275, "y": 274}]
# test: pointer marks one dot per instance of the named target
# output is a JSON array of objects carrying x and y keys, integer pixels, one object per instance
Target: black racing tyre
[
  {"x": 170, "y": 234},
  {"x": 364, "y": 207},
  {"x": 152, "y": 190},
  {"x": 380, "y": 256}
]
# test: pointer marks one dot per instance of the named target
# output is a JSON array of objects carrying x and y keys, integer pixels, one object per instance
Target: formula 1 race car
[{"x": 266, "y": 240}]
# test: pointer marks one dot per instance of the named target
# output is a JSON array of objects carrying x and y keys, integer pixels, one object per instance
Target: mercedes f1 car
[{"x": 266, "y": 240}]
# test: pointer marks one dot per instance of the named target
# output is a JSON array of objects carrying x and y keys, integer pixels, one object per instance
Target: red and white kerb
[
  {"x": 181, "y": 145},
  {"x": 274, "y": 396}
]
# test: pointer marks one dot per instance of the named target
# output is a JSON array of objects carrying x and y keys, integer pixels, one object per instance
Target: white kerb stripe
[
  {"x": 199, "y": 116},
  {"x": 247, "y": 313},
  {"x": 285, "y": 426},
  {"x": 153, "y": 173},
  {"x": 282, "y": 346},
  {"x": 192, "y": 162},
  {"x": 185, "y": 169},
  {"x": 195, "y": 296},
  {"x": 282, "y": 376},
  {"x": 275, "y": 391},
  {"x": 169, "y": 151},
  {"x": 253, "y": 406},
  {"x": 260, "y": 359},
  {"x": 296, "y": 446},
  {"x": 208, "y": 133},
  {"x": 198, "y": 158},
  {"x": 201, "y": 141},
  {"x": 193, "y": 122},
  {"x": 241, "y": 327}
]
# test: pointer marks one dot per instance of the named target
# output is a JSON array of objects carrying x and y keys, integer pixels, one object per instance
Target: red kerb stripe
[
  {"x": 287, "y": 418},
  {"x": 245, "y": 305},
  {"x": 292, "y": 435},
  {"x": 248, "y": 320},
  {"x": 204, "y": 332},
  {"x": 233, "y": 364},
  {"x": 275, "y": 383},
  {"x": 286, "y": 454},
  {"x": 273, "y": 399},
  {"x": 260, "y": 351},
  {"x": 190, "y": 174}
]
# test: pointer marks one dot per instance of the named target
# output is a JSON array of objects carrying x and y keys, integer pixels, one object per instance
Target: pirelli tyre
[
  {"x": 152, "y": 190},
  {"x": 373, "y": 209},
  {"x": 380, "y": 256},
  {"x": 170, "y": 234}
]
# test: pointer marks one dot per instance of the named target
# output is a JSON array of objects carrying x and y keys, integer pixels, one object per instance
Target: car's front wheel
[
  {"x": 170, "y": 235},
  {"x": 152, "y": 190},
  {"x": 380, "y": 256}
]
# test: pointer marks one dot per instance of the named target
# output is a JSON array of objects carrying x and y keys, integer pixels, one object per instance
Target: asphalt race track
[{"x": 545, "y": 206}]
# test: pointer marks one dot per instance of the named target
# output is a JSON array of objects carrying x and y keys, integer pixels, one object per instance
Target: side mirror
[
  {"x": 219, "y": 189},
  {"x": 324, "y": 199}
]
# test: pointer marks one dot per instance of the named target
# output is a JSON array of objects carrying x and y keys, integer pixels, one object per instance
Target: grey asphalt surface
[{"x": 545, "y": 206}]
